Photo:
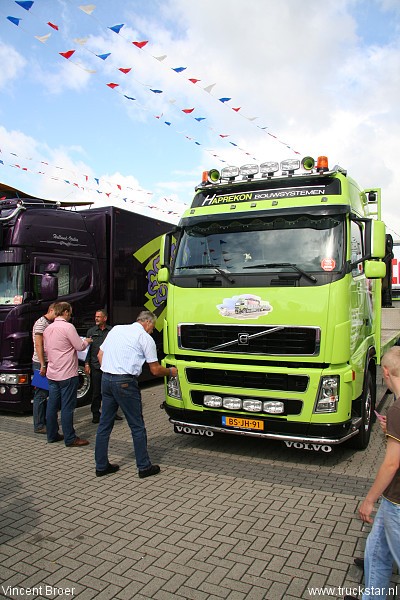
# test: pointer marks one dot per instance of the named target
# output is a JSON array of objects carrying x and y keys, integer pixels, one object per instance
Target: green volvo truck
[{"x": 274, "y": 317}]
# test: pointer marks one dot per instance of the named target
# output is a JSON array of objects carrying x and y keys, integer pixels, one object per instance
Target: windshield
[
  {"x": 313, "y": 244},
  {"x": 11, "y": 284}
]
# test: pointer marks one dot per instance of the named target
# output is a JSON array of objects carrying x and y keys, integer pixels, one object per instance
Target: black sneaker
[
  {"x": 359, "y": 562},
  {"x": 118, "y": 417},
  {"x": 153, "y": 470},
  {"x": 59, "y": 438},
  {"x": 96, "y": 418},
  {"x": 110, "y": 469}
]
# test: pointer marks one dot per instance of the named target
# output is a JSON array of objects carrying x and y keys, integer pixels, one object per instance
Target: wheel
[
  {"x": 361, "y": 441},
  {"x": 84, "y": 385}
]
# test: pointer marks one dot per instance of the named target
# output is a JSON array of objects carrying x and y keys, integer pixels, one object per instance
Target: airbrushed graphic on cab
[{"x": 245, "y": 306}]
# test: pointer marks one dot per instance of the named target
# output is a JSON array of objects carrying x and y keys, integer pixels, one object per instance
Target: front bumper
[{"x": 274, "y": 429}]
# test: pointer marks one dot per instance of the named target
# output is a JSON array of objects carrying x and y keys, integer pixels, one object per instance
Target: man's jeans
[
  {"x": 123, "y": 391},
  {"x": 39, "y": 403},
  {"x": 62, "y": 396},
  {"x": 382, "y": 549}
]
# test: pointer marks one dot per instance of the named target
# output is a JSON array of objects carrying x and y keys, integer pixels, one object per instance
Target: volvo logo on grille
[{"x": 243, "y": 339}]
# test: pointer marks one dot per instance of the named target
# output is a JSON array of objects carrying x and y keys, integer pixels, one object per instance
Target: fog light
[
  {"x": 252, "y": 405},
  {"x": 232, "y": 403},
  {"x": 2, "y": 389},
  {"x": 274, "y": 407},
  {"x": 212, "y": 401},
  {"x": 13, "y": 390}
]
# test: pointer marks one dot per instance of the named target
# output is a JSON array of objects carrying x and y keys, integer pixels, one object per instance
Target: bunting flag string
[
  {"x": 208, "y": 89},
  {"x": 114, "y": 85},
  {"x": 69, "y": 53},
  {"x": 45, "y": 170},
  {"x": 225, "y": 100},
  {"x": 89, "y": 10}
]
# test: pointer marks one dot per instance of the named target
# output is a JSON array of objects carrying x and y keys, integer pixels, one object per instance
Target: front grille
[
  {"x": 250, "y": 339},
  {"x": 281, "y": 382}
]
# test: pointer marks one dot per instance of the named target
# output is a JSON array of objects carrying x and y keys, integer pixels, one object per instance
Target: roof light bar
[
  {"x": 267, "y": 169},
  {"x": 248, "y": 171}
]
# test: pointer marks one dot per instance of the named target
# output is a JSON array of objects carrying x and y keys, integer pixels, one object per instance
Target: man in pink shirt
[{"x": 61, "y": 343}]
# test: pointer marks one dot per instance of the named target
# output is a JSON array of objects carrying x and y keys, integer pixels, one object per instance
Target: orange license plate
[{"x": 243, "y": 423}]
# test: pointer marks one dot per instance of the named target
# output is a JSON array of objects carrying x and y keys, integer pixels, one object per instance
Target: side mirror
[
  {"x": 374, "y": 269},
  {"x": 378, "y": 249},
  {"x": 163, "y": 275}
]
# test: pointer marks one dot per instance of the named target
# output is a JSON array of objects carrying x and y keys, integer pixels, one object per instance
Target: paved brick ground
[{"x": 227, "y": 518}]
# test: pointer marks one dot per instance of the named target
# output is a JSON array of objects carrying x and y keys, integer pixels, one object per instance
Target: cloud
[{"x": 12, "y": 64}]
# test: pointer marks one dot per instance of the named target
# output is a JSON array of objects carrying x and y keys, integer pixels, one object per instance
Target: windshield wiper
[
  {"x": 291, "y": 265},
  {"x": 217, "y": 268}
]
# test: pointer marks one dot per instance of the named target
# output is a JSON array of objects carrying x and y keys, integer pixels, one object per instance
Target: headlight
[
  {"x": 328, "y": 397},
  {"x": 14, "y": 378},
  {"x": 173, "y": 388}
]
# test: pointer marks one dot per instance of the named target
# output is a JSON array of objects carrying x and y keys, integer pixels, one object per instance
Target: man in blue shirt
[{"x": 121, "y": 356}]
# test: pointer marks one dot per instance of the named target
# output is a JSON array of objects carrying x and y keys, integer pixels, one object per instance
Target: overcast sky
[{"x": 310, "y": 77}]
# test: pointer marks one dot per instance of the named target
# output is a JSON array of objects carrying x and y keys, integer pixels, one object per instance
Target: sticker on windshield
[
  {"x": 328, "y": 264},
  {"x": 246, "y": 306}
]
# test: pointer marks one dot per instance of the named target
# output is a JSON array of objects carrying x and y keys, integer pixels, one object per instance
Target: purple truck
[{"x": 92, "y": 258}]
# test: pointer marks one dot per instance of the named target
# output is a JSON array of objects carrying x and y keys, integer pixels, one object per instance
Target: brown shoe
[
  {"x": 78, "y": 442},
  {"x": 42, "y": 430}
]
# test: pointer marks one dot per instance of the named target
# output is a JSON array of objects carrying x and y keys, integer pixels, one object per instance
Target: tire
[
  {"x": 361, "y": 441},
  {"x": 84, "y": 387}
]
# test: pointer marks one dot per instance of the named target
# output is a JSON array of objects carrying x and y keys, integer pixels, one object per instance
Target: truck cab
[{"x": 274, "y": 305}]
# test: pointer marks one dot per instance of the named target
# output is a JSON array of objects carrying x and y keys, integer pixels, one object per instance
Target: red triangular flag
[
  {"x": 188, "y": 110},
  {"x": 194, "y": 80},
  {"x": 53, "y": 26},
  {"x": 237, "y": 109},
  {"x": 140, "y": 44},
  {"x": 125, "y": 70},
  {"x": 112, "y": 85},
  {"x": 67, "y": 54}
]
